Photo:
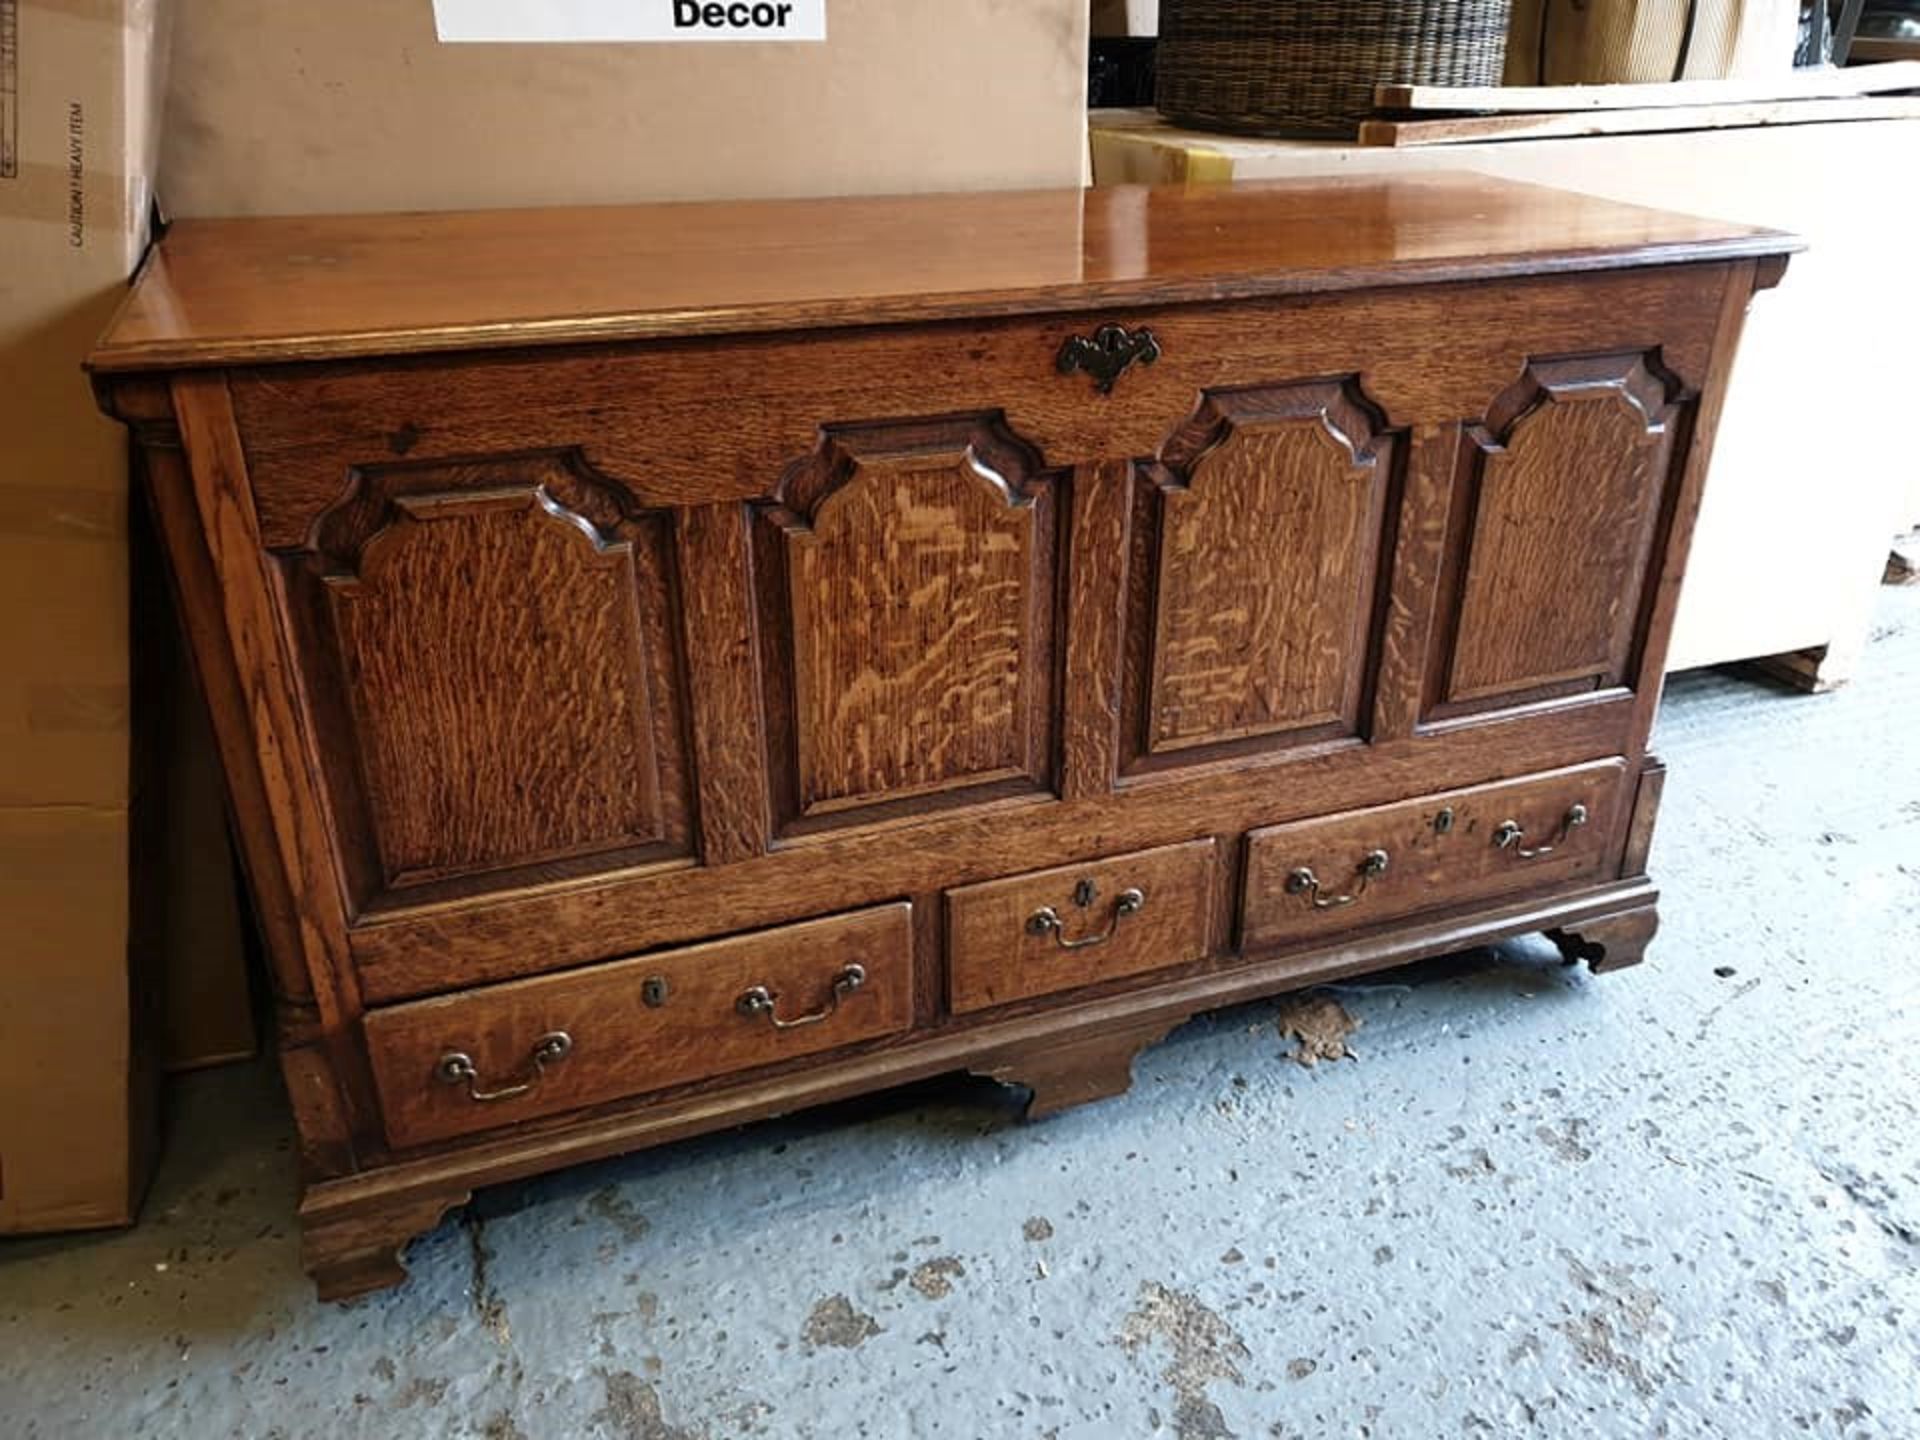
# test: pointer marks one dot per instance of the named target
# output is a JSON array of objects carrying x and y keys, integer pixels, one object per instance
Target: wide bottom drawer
[
  {"x": 1314, "y": 877},
  {"x": 504, "y": 1053}
]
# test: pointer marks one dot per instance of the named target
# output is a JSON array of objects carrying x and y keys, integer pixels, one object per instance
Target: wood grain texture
[
  {"x": 1458, "y": 130},
  {"x": 1646, "y": 812},
  {"x": 1099, "y": 540},
  {"x": 621, "y": 1043},
  {"x": 874, "y": 640},
  {"x": 354, "y": 1250},
  {"x": 489, "y": 735},
  {"x": 197, "y": 589},
  {"x": 522, "y": 1151},
  {"x": 1608, "y": 942},
  {"x": 265, "y": 736},
  {"x": 1814, "y": 83},
  {"x": 994, "y": 954},
  {"x": 1269, "y": 517},
  {"x": 913, "y": 637},
  {"x": 1077, "y": 1071},
  {"x": 1431, "y": 862},
  {"x": 739, "y": 410},
  {"x": 1674, "y": 536},
  {"x": 1572, "y": 475},
  {"x": 1437, "y": 455},
  {"x": 496, "y": 732},
  {"x": 238, "y": 291},
  {"x": 723, "y": 674},
  {"x": 402, "y": 953}
]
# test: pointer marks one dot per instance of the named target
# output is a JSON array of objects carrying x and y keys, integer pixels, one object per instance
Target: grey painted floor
[{"x": 1684, "y": 1200}]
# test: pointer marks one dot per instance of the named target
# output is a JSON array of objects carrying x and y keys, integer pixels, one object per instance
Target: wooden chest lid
[{"x": 241, "y": 291}]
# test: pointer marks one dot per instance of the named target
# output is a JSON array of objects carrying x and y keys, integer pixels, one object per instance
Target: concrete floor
[{"x": 1684, "y": 1200}]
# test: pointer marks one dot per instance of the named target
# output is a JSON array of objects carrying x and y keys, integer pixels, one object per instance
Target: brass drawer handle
[
  {"x": 1046, "y": 921},
  {"x": 456, "y": 1068},
  {"x": 1509, "y": 832},
  {"x": 758, "y": 1000},
  {"x": 1305, "y": 883},
  {"x": 1109, "y": 354}
]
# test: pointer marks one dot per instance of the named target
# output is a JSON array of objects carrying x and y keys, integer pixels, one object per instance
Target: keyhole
[{"x": 1084, "y": 893}]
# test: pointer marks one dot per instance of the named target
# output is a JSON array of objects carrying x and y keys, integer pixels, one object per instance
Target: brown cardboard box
[
  {"x": 84, "y": 946},
  {"x": 356, "y": 105},
  {"x": 77, "y": 1132},
  {"x": 1134, "y": 18}
]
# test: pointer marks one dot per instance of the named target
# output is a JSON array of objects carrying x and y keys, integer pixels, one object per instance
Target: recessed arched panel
[
  {"x": 1259, "y": 583},
  {"x": 495, "y": 634},
  {"x": 1554, "y": 523},
  {"x": 908, "y": 581}
]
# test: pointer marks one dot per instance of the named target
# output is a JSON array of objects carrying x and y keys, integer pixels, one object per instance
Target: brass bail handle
[
  {"x": 1303, "y": 882},
  {"x": 456, "y": 1067},
  {"x": 1046, "y": 921},
  {"x": 758, "y": 1000},
  {"x": 1508, "y": 833}
]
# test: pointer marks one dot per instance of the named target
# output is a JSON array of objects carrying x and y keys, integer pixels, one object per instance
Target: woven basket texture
[{"x": 1308, "y": 67}]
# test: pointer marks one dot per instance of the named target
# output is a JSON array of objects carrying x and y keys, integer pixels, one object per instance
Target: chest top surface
[{"x": 244, "y": 291}]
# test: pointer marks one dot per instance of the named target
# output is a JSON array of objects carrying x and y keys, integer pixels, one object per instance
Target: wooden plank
[
  {"x": 1810, "y": 84},
  {"x": 1888, "y": 49},
  {"x": 1401, "y": 134}
]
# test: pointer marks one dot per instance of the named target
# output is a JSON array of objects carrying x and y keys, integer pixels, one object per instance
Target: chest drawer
[
  {"x": 505, "y": 1053},
  {"x": 1060, "y": 929},
  {"x": 1347, "y": 871}
]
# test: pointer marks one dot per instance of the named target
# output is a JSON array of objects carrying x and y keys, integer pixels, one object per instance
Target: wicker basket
[{"x": 1308, "y": 67}]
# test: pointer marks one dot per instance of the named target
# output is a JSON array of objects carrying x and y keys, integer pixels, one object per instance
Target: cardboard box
[
  {"x": 1136, "y": 18},
  {"x": 86, "y": 925},
  {"x": 77, "y": 1122},
  {"x": 356, "y": 105}
]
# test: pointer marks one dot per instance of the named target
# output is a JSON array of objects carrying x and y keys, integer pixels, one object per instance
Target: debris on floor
[
  {"x": 1321, "y": 1024},
  {"x": 835, "y": 1322}
]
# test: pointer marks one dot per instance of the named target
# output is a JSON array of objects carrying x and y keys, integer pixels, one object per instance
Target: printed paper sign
[{"x": 602, "y": 21}]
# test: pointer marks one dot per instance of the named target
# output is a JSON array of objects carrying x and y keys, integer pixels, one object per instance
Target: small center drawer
[
  {"x": 1314, "y": 877},
  {"x": 504, "y": 1053},
  {"x": 1077, "y": 925}
]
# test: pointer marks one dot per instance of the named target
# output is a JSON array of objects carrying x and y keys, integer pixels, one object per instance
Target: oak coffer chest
[{"x": 679, "y": 664}]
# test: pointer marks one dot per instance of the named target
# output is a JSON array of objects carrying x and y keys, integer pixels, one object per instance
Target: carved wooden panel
[
  {"x": 1258, "y": 568},
  {"x": 491, "y": 641},
  {"x": 908, "y": 577},
  {"x": 1552, "y": 527}
]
